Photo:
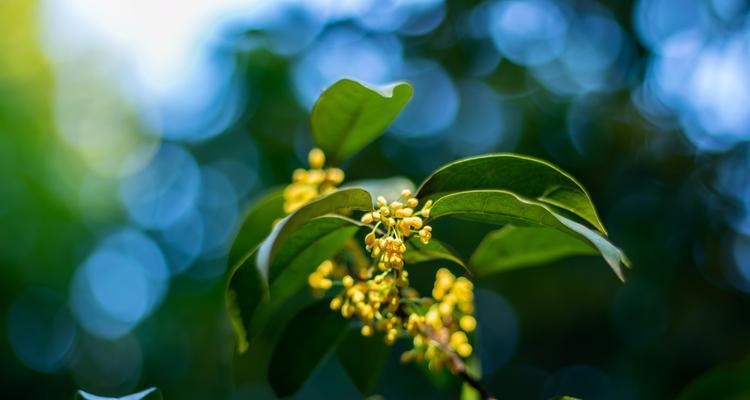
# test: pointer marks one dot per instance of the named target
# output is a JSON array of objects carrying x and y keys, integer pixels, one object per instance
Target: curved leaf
[
  {"x": 514, "y": 247},
  {"x": 349, "y": 115},
  {"x": 148, "y": 394},
  {"x": 390, "y": 188},
  {"x": 256, "y": 225},
  {"x": 307, "y": 339},
  {"x": 526, "y": 176},
  {"x": 503, "y": 207},
  {"x": 353, "y": 198},
  {"x": 249, "y": 301},
  {"x": 244, "y": 292},
  {"x": 434, "y": 250},
  {"x": 313, "y": 243},
  {"x": 363, "y": 358}
]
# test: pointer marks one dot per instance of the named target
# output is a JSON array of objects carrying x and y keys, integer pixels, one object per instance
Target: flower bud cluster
[
  {"x": 443, "y": 329},
  {"x": 401, "y": 222},
  {"x": 375, "y": 302},
  {"x": 320, "y": 279},
  {"x": 308, "y": 184}
]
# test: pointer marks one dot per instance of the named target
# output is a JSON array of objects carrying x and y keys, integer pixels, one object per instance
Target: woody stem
[{"x": 458, "y": 366}]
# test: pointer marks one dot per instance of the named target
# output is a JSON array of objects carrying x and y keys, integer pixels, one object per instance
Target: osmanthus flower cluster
[
  {"x": 309, "y": 184},
  {"x": 380, "y": 297},
  {"x": 305, "y": 232}
]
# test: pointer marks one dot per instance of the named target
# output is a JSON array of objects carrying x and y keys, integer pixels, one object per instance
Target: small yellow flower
[{"x": 467, "y": 323}]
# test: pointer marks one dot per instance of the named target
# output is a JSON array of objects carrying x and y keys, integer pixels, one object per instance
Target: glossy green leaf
[
  {"x": 249, "y": 301},
  {"x": 362, "y": 358},
  {"x": 306, "y": 340},
  {"x": 514, "y": 247},
  {"x": 148, "y": 394},
  {"x": 313, "y": 243},
  {"x": 525, "y": 176},
  {"x": 256, "y": 225},
  {"x": 503, "y": 207},
  {"x": 434, "y": 250},
  {"x": 390, "y": 188},
  {"x": 353, "y": 198},
  {"x": 349, "y": 115}
]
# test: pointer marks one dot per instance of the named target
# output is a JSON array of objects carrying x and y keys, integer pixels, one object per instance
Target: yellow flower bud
[
  {"x": 467, "y": 323},
  {"x": 336, "y": 303},
  {"x": 316, "y": 158},
  {"x": 313, "y": 279},
  {"x": 406, "y": 193},
  {"x": 366, "y": 330},
  {"x": 348, "y": 281},
  {"x": 464, "y": 350},
  {"x": 411, "y": 203},
  {"x": 325, "y": 284},
  {"x": 446, "y": 308},
  {"x": 299, "y": 175},
  {"x": 433, "y": 318},
  {"x": 391, "y": 336},
  {"x": 335, "y": 176},
  {"x": 367, "y": 218},
  {"x": 382, "y": 202},
  {"x": 457, "y": 338}
]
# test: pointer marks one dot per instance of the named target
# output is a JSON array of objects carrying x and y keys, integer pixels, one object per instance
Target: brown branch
[{"x": 458, "y": 366}]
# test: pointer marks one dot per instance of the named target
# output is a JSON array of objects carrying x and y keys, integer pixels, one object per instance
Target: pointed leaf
[
  {"x": 523, "y": 175},
  {"x": 514, "y": 247},
  {"x": 363, "y": 358},
  {"x": 306, "y": 341},
  {"x": 349, "y": 115},
  {"x": 499, "y": 206},
  {"x": 353, "y": 198}
]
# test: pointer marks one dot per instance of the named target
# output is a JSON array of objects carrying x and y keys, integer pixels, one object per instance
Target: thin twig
[{"x": 458, "y": 366}]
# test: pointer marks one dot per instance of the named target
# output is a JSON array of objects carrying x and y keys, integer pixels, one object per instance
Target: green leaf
[
  {"x": 525, "y": 176},
  {"x": 307, "y": 339},
  {"x": 267, "y": 325},
  {"x": 250, "y": 302},
  {"x": 256, "y": 225},
  {"x": 390, "y": 188},
  {"x": 313, "y": 243},
  {"x": 434, "y": 250},
  {"x": 514, "y": 247},
  {"x": 363, "y": 358},
  {"x": 503, "y": 207},
  {"x": 353, "y": 198},
  {"x": 244, "y": 287},
  {"x": 349, "y": 115},
  {"x": 243, "y": 294},
  {"x": 148, "y": 394}
]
